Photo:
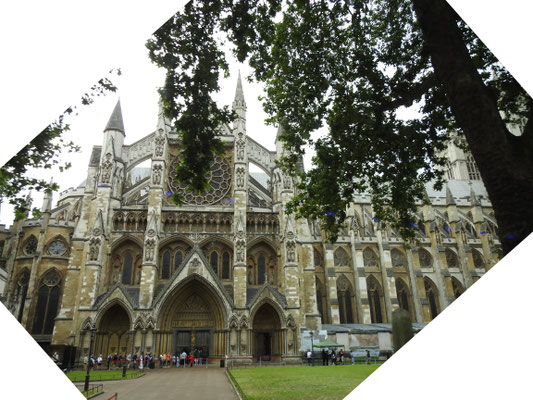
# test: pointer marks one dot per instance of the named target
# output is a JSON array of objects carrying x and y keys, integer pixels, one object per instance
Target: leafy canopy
[{"x": 352, "y": 67}]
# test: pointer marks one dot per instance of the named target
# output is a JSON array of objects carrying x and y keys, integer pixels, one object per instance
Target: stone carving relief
[
  {"x": 240, "y": 147},
  {"x": 149, "y": 249},
  {"x": 107, "y": 166},
  {"x": 157, "y": 171},
  {"x": 291, "y": 251},
  {"x": 159, "y": 144},
  {"x": 94, "y": 248},
  {"x": 240, "y": 176}
]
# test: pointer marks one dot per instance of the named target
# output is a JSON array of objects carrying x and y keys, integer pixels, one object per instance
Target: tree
[
  {"x": 352, "y": 66},
  {"x": 44, "y": 152}
]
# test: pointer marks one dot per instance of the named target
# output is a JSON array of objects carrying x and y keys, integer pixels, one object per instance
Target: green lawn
[
  {"x": 101, "y": 375},
  {"x": 310, "y": 383}
]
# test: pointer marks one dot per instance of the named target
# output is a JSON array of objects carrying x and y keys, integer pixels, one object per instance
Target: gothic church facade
[{"x": 228, "y": 270}]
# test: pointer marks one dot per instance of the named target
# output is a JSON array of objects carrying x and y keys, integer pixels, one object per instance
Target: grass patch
[
  {"x": 310, "y": 383},
  {"x": 79, "y": 376}
]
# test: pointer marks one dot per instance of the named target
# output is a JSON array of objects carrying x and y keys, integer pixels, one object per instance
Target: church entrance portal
[
  {"x": 192, "y": 318},
  {"x": 268, "y": 335},
  {"x": 192, "y": 338}
]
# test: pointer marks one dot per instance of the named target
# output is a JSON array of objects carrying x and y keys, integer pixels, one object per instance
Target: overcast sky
[{"x": 139, "y": 102}]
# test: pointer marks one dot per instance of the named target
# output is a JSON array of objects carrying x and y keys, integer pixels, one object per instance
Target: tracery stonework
[
  {"x": 219, "y": 180},
  {"x": 228, "y": 269}
]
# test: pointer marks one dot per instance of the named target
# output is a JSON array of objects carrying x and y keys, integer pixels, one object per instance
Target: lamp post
[{"x": 89, "y": 363}]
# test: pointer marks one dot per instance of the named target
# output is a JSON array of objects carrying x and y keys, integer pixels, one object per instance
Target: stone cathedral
[{"x": 229, "y": 271}]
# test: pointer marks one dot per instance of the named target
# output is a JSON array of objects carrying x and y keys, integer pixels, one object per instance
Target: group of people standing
[
  {"x": 145, "y": 361},
  {"x": 332, "y": 358}
]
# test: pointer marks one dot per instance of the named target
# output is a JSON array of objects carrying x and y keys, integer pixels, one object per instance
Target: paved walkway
[{"x": 173, "y": 383}]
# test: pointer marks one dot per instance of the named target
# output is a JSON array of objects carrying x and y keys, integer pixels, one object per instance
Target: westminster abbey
[{"x": 229, "y": 271}]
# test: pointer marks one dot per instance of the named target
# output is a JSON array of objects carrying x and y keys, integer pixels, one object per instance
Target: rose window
[{"x": 218, "y": 178}]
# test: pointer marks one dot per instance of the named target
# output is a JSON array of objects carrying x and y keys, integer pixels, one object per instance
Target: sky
[{"x": 137, "y": 91}]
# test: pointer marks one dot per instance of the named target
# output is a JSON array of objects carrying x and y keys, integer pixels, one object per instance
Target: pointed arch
[
  {"x": 321, "y": 300},
  {"x": 370, "y": 258},
  {"x": 432, "y": 295},
  {"x": 457, "y": 287},
  {"x": 345, "y": 297},
  {"x": 425, "y": 258},
  {"x": 479, "y": 260},
  {"x": 341, "y": 257},
  {"x": 115, "y": 302},
  {"x": 375, "y": 299},
  {"x": 262, "y": 259},
  {"x": 404, "y": 296},
  {"x": 47, "y": 306},
  {"x": 451, "y": 258},
  {"x": 29, "y": 247},
  {"x": 398, "y": 258}
]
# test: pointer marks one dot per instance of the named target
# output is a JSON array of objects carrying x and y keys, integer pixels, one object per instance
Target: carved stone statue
[
  {"x": 107, "y": 166},
  {"x": 149, "y": 247},
  {"x": 94, "y": 249}
]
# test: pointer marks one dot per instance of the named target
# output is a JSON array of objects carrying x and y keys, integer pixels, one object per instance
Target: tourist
[
  {"x": 352, "y": 354},
  {"x": 109, "y": 359},
  {"x": 368, "y": 357},
  {"x": 200, "y": 359},
  {"x": 333, "y": 358},
  {"x": 341, "y": 357},
  {"x": 85, "y": 361},
  {"x": 115, "y": 360},
  {"x": 183, "y": 357},
  {"x": 324, "y": 357},
  {"x": 99, "y": 362},
  {"x": 309, "y": 357},
  {"x": 190, "y": 359},
  {"x": 196, "y": 356},
  {"x": 162, "y": 359},
  {"x": 141, "y": 362}
]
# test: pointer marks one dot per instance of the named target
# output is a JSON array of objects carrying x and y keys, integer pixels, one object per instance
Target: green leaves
[
  {"x": 44, "y": 152},
  {"x": 350, "y": 67}
]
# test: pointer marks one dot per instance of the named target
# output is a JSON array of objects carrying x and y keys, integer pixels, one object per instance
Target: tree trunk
[{"x": 504, "y": 161}]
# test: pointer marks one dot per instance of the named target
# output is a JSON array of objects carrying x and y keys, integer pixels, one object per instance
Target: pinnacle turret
[
  {"x": 473, "y": 198},
  {"x": 115, "y": 122},
  {"x": 239, "y": 104},
  {"x": 450, "y": 201}
]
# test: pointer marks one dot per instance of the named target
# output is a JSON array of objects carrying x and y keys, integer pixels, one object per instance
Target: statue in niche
[
  {"x": 94, "y": 249},
  {"x": 107, "y": 166}
]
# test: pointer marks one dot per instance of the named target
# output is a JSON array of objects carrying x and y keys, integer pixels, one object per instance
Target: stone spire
[
  {"x": 239, "y": 104},
  {"x": 450, "y": 201},
  {"x": 115, "y": 122}
]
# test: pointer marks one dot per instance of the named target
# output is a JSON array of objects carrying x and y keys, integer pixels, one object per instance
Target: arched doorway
[
  {"x": 113, "y": 332},
  {"x": 192, "y": 317},
  {"x": 267, "y": 333}
]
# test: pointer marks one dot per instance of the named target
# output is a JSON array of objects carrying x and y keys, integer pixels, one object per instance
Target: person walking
[
  {"x": 99, "y": 362},
  {"x": 368, "y": 356},
  {"x": 324, "y": 357},
  {"x": 109, "y": 359},
  {"x": 309, "y": 357},
  {"x": 333, "y": 358},
  {"x": 352, "y": 355},
  {"x": 341, "y": 357}
]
